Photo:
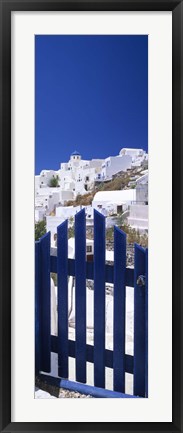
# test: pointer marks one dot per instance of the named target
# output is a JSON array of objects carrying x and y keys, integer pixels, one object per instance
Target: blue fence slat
[
  {"x": 45, "y": 304},
  {"x": 62, "y": 287},
  {"x": 146, "y": 327},
  {"x": 99, "y": 300},
  {"x": 37, "y": 307},
  {"x": 80, "y": 295},
  {"x": 139, "y": 322},
  {"x": 119, "y": 309}
]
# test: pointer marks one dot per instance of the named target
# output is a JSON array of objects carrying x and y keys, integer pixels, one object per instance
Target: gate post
[{"x": 139, "y": 321}]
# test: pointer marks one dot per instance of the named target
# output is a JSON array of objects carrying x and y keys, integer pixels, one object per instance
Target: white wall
[
  {"x": 52, "y": 222},
  {"x": 114, "y": 164},
  {"x": 67, "y": 211},
  {"x": 74, "y": 174},
  {"x": 37, "y": 181},
  {"x": 39, "y": 214},
  {"x": 138, "y": 155},
  {"x": 142, "y": 189},
  {"x": 48, "y": 200},
  {"x": 46, "y": 176},
  {"x": 134, "y": 153},
  {"x": 66, "y": 195},
  {"x": 112, "y": 198},
  {"x": 138, "y": 217}
]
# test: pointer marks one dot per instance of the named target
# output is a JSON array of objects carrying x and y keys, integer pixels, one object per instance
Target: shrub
[
  {"x": 40, "y": 229},
  {"x": 54, "y": 182}
]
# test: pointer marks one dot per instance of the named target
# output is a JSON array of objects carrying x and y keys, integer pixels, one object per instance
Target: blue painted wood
[
  {"x": 80, "y": 295},
  {"x": 99, "y": 300},
  {"x": 37, "y": 308},
  {"x": 119, "y": 310},
  {"x": 62, "y": 282},
  {"x": 146, "y": 327},
  {"x": 139, "y": 323},
  {"x": 45, "y": 304},
  {"x": 90, "y": 354},
  {"x": 109, "y": 271},
  {"x": 82, "y": 388},
  {"x": 101, "y": 273}
]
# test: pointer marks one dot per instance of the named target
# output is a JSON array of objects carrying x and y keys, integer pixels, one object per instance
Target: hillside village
[{"x": 116, "y": 186}]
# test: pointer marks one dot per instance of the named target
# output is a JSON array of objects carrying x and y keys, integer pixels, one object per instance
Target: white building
[
  {"x": 59, "y": 196},
  {"x": 142, "y": 189},
  {"x": 138, "y": 218},
  {"x": 47, "y": 198},
  {"x": 115, "y": 164},
  {"x": 115, "y": 201},
  {"x": 52, "y": 222},
  {"x": 67, "y": 211},
  {"x": 138, "y": 212},
  {"x": 137, "y": 155},
  {"x": 78, "y": 175},
  {"x": 40, "y": 213},
  {"x": 44, "y": 179}
]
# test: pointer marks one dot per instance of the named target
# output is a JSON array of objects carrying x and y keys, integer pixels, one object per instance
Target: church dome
[{"x": 75, "y": 153}]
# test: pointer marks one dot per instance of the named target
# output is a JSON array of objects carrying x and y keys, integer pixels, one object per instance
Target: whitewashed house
[
  {"x": 47, "y": 198},
  {"x": 59, "y": 196},
  {"x": 142, "y": 189},
  {"x": 39, "y": 213},
  {"x": 114, "y": 164},
  {"x": 138, "y": 215},
  {"x": 67, "y": 211},
  {"x": 52, "y": 222},
  {"x": 108, "y": 202},
  {"x": 43, "y": 180},
  {"x": 137, "y": 155},
  {"x": 138, "y": 218},
  {"x": 78, "y": 175}
]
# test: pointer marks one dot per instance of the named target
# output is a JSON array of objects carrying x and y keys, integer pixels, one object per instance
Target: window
[{"x": 89, "y": 248}]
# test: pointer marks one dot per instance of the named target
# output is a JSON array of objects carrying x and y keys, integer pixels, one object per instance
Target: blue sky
[{"x": 91, "y": 95}]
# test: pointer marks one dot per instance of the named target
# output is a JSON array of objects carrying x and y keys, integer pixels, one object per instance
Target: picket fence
[{"x": 100, "y": 272}]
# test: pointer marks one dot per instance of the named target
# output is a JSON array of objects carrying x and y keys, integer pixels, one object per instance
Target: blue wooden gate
[{"x": 100, "y": 273}]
